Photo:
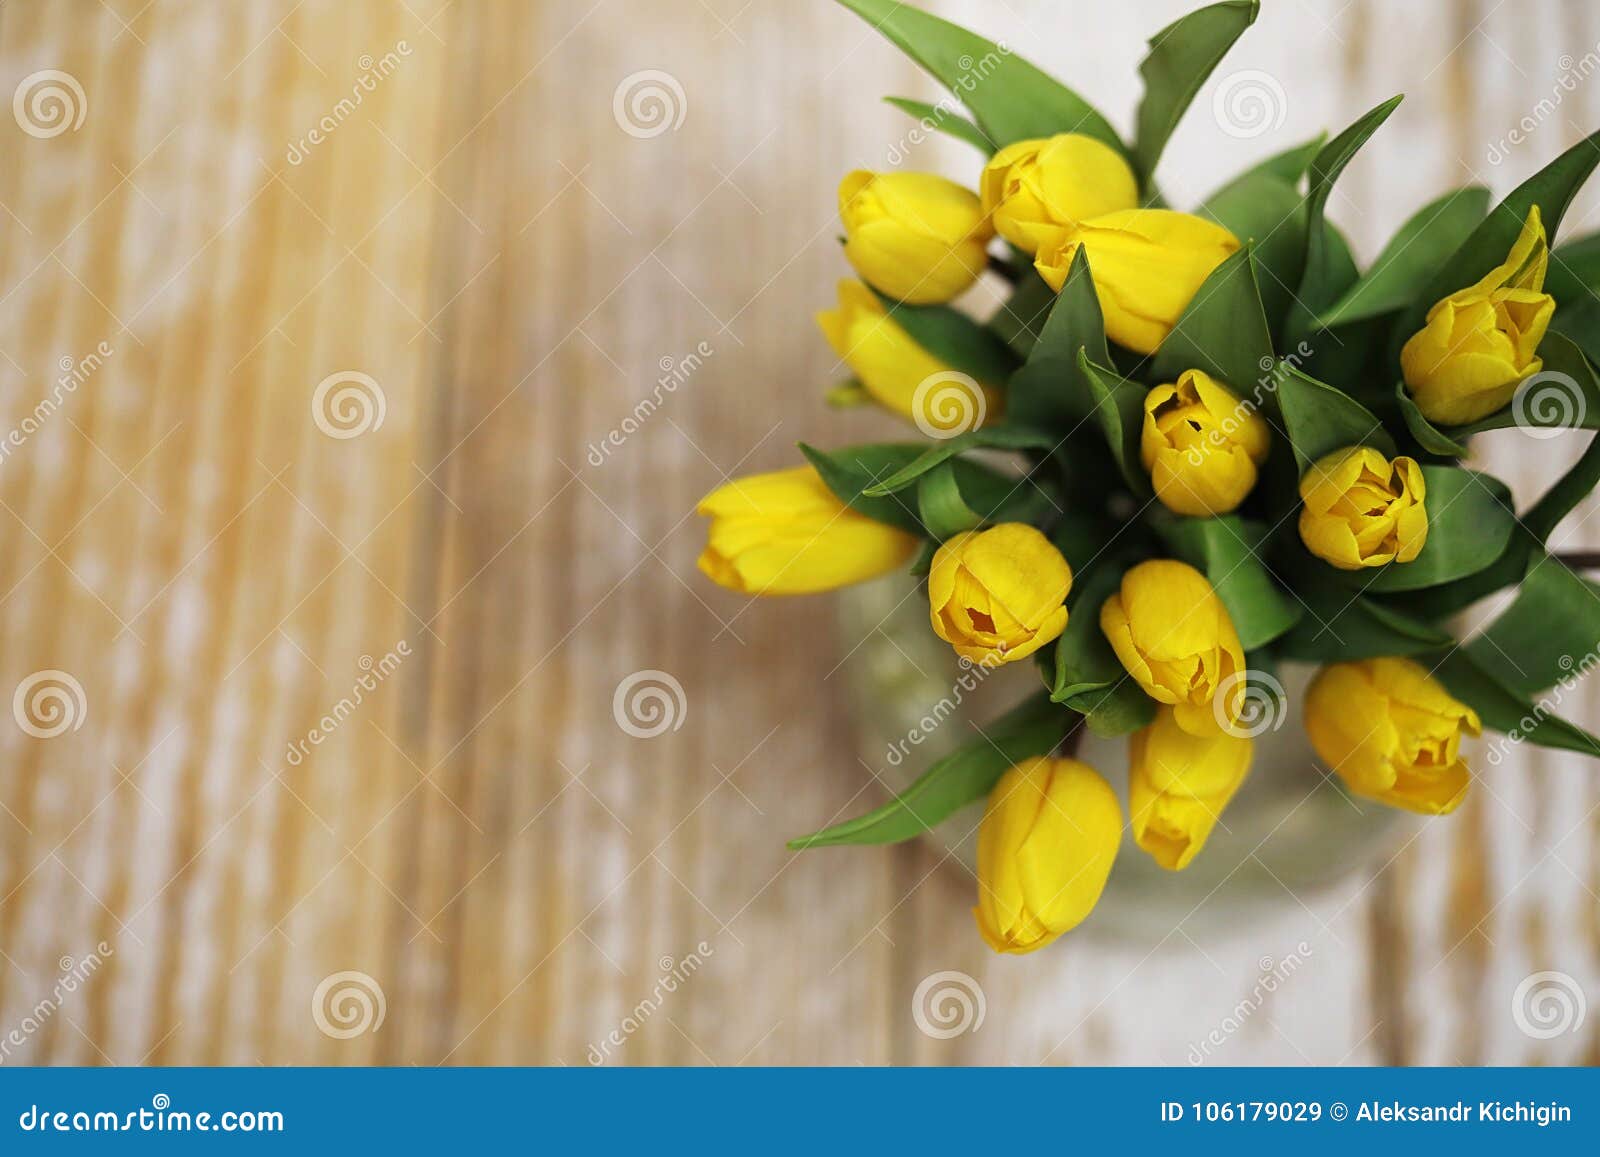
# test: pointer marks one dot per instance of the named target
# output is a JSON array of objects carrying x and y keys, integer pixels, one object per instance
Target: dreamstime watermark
[
  {"x": 1548, "y": 1004},
  {"x": 947, "y": 404},
  {"x": 1573, "y": 671},
  {"x": 649, "y": 703},
  {"x": 49, "y": 703},
  {"x": 648, "y": 103},
  {"x": 1250, "y": 703},
  {"x": 48, "y": 103},
  {"x": 1274, "y": 973},
  {"x": 1249, "y": 103},
  {"x": 74, "y": 373},
  {"x": 348, "y": 1004},
  {"x": 348, "y": 404},
  {"x": 973, "y": 73},
  {"x": 1222, "y": 435},
  {"x": 75, "y": 972},
  {"x": 374, "y": 672},
  {"x": 674, "y": 373},
  {"x": 674, "y": 974},
  {"x": 947, "y": 1004},
  {"x": 372, "y": 71},
  {"x": 1548, "y": 404},
  {"x": 972, "y": 674},
  {"x": 1572, "y": 74}
]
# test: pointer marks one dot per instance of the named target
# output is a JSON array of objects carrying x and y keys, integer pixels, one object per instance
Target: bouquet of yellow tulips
[{"x": 1222, "y": 445}]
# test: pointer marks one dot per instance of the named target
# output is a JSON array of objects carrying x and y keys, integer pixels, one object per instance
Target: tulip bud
[
  {"x": 1201, "y": 445},
  {"x": 998, "y": 595},
  {"x": 1034, "y": 189},
  {"x": 786, "y": 533},
  {"x": 1147, "y": 264},
  {"x": 1045, "y": 848},
  {"x": 1178, "y": 785},
  {"x": 1480, "y": 343},
  {"x": 897, "y": 372},
  {"x": 914, "y": 236},
  {"x": 1361, "y": 509},
  {"x": 1176, "y": 639},
  {"x": 1392, "y": 733}
]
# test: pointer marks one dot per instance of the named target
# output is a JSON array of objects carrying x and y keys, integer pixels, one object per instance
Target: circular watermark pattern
[
  {"x": 947, "y": 1004},
  {"x": 649, "y": 103},
  {"x": 347, "y": 1004},
  {"x": 1548, "y": 1004},
  {"x": 649, "y": 703},
  {"x": 947, "y": 404},
  {"x": 1249, "y": 104},
  {"x": 1548, "y": 404},
  {"x": 348, "y": 404},
  {"x": 49, "y": 703},
  {"x": 48, "y": 103},
  {"x": 1250, "y": 703}
]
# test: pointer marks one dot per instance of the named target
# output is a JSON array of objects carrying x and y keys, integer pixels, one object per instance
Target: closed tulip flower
[
  {"x": 1176, "y": 639},
  {"x": 1045, "y": 848},
  {"x": 914, "y": 236},
  {"x": 786, "y": 533},
  {"x": 892, "y": 367},
  {"x": 1362, "y": 509},
  {"x": 1392, "y": 733},
  {"x": 1481, "y": 342},
  {"x": 1178, "y": 785},
  {"x": 1034, "y": 189},
  {"x": 1147, "y": 264},
  {"x": 1201, "y": 445},
  {"x": 998, "y": 595}
]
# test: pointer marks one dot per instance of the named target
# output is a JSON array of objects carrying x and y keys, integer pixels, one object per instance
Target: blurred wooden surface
[{"x": 479, "y": 236}]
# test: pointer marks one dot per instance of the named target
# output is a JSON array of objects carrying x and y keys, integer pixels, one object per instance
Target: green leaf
[
  {"x": 1325, "y": 273},
  {"x": 1119, "y": 409},
  {"x": 1503, "y": 709},
  {"x": 1411, "y": 258},
  {"x": 961, "y": 495},
  {"x": 1010, "y": 99},
  {"x": 1428, "y": 436},
  {"x": 1181, "y": 57},
  {"x": 965, "y": 775},
  {"x": 1229, "y": 550},
  {"x": 1531, "y": 643},
  {"x": 989, "y": 437},
  {"x": 1288, "y": 166},
  {"x": 1320, "y": 419},
  {"x": 944, "y": 512},
  {"x": 1088, "y": 677},
  {"x": 1223, "y": 331},
  {"x": 1019, "y": 319},
  {"x": 940, "y": 119},
  {"x": 955, "y": 339},
  {"x": 1268, "y": 213},
  {"x": 1338, "y": 627},
  {"x": 850, "y": 471},
  {"x": 1541, "y": 520},
  {"x": 1052, "y": 388},
  {"x": 1552, "y": 188}
]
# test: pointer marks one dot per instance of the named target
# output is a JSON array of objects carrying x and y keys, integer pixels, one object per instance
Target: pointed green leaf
[
  {"x": 1505, "y": 710},
  {"x": 937, "y": 118},
  {"x": 1338, "y": 628},
  {"x": 962, "y": 495},
  {"x": 989, "y": 437},
  {"x": 1010, "y": 99},
  {"x": 1269, "y": 214},
  {"x": 1531, "y": 645},
  {"x": 960, "y": 778},
  {"x": 955, "y": 339},
  {"x": 850, "y": 471},
  {"x": 1320, "y": 419},
  {"x": 1181, "y": 57},
  {"x": 1052, "y": 388},
  {"x": 1119, "y": 409},
  {"x": 1288, "y": 166},
  {"x": 1020, "y": 318},
  {"x": 1223, "y": 331}
]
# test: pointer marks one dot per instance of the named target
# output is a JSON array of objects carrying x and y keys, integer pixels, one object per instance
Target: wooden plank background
[{"x": 513, "y": 272}]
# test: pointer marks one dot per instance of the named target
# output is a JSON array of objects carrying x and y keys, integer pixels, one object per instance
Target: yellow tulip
[
  {"x": 786, "y": 533},
  {"x": 898, "y": 373},
  {"x": 1045, "y": 847},
  {"x": 997, "y": 595},
  {"x": 914, "y": 236},
  {"x": 1147, "y": 264},
  {"x": 1362, "y": 509},
  {"x": 1178, "y": 785},
  {"x": 1201, "y": 445},
  {"x": 1481, "y": 342},
  {"x": 1176, "y": 639},
  {"x": 1034, "y": 189},
  {"x": 1392, "y": 733}
]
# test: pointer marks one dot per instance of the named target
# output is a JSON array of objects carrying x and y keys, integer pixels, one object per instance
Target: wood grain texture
[{"x": 478, "y": 234}]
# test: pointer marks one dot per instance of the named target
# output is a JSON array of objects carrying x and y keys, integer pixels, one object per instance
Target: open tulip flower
[{"x": 1193, "y": 445}]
